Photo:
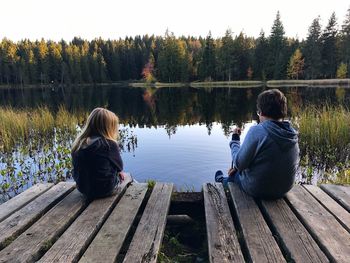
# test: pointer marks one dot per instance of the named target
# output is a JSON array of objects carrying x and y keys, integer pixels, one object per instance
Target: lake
[{"x": 180, "y": 135}]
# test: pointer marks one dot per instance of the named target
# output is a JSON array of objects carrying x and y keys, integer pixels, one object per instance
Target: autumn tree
[
  {"x": 296, "y": 65},
  {"x": 342, "y": 71},
  {"x": 148, "y": 70}
]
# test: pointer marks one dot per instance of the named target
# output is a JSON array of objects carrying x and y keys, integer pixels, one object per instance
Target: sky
[{"x": 113, "y": 19}]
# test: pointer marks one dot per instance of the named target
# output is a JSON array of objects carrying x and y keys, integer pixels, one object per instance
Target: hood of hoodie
[{"x": 282, "y": 133}]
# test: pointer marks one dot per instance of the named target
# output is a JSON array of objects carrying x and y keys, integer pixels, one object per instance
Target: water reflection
[{"x": 173, "y": 134}]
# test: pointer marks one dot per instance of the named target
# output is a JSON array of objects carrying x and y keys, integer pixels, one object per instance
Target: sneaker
[{"x": 219, "y": 176}]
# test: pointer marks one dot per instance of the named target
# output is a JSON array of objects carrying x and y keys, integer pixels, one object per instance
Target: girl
[{"x": 97, "y": 165}]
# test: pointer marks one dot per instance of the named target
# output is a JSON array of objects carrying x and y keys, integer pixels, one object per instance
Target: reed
[
  {"x": 14, "y": 125},
  {"x": 324, "y": 138},
  {"x": 18, "y": 125}
]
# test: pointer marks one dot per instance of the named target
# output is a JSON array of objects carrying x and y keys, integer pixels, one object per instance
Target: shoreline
[{"x": 324, "y": 83}]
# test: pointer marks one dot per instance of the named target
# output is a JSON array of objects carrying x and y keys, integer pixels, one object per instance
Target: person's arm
[
  {"x": 242, "y": 155},
  {"x": 115, "y": 157}
]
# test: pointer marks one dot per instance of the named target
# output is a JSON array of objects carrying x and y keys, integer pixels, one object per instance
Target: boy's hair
[{"x": 272, "y": 103}]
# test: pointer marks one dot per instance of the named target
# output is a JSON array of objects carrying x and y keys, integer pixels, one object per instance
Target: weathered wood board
[
  {"x": 72, "y": 244},
  {"x": 30, "y": 245},
  {"x": 331, "y": 205},
  {"x": 340, "y": 193},
  {"x": 223, "y": 245},
  {"x": 107, "y": 244},
  {"x": 17, "y": 202},
  {"x": 262, "y": 246},
  {"x": 333, "y": 239},
  {"x": 19, "y": 221},
  {"x": 147, "y": 239},
  {"x": 296, "y": 240}
]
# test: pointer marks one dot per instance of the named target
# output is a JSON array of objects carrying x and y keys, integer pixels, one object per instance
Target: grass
[
  {"x": 309, "y": 83},
  {"x": 18, "y": 125},
  {"x": 35, "y": 146},
  {"x": 324, "y": 139}
]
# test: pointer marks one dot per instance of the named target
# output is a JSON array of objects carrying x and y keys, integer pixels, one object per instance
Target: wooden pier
[{"x": 54, "y": 223}]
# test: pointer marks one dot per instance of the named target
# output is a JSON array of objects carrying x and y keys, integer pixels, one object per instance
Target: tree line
[{"x": 325, "y": 53}]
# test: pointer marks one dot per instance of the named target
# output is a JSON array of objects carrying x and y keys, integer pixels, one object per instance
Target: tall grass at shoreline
[
  {"x": 324, "y": 139},
  {"x": 35, "y": 146},
  {"x": 17, "y": 125}
]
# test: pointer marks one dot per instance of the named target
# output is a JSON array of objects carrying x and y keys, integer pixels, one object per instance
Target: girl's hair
[{"x": 101, "y": 122}]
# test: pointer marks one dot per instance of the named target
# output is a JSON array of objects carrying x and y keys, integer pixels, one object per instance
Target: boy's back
[{"x": 268, "y": 159}]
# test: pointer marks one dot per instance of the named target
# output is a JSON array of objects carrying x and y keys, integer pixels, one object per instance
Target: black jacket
[{"x": 96, "y": 168}]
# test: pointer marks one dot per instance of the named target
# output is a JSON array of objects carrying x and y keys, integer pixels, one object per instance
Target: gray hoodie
[{"x": 268, "y": 159}]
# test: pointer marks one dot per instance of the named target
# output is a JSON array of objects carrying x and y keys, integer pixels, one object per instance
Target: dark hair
[{"x": 272, "y": 103}]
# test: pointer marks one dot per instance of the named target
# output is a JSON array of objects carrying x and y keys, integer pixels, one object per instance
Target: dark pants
[{"x": 231, "y": 179}]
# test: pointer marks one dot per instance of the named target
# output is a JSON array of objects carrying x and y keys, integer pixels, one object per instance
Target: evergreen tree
[
  {"x": 260, "y": 57},
  {"x": 208, "y": 63},
  {"x": 276, "y": 64},
  {"x": 226, "y": 57},
  {"x": 242, "y": 57},
  {"x": 41, "y": 53},
  {"x": 345, "y": 42},
  {"x": 173, "y": 60},
  {"x": 329, "y": 48},
  {"x": 312, "y": 51}
]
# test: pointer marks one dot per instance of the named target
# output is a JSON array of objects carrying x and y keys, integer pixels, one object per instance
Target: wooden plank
[
  {"x": 109, "y": 240},
  {"x": 262, "y": 246},
  {"x": 19, "y": 221},
  {"x": 72, "y": 244},
  {"x": 17, "y": 202},
  {"x": 295, "y": 239},
  {"x": 340, "y": 193},
  {"x": 333, "y": 239},
  {"x": 147, "y": 239},
  {"x": 332, "y": 206},
  {"x": 223, "y": 243},
  {"x": 29, "y": 246}
]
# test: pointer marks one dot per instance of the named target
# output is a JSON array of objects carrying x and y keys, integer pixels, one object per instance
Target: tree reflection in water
[{"x": 46, "y": 156}]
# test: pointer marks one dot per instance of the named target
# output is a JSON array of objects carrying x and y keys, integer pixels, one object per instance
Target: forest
[{"x": 324, "y": 54}]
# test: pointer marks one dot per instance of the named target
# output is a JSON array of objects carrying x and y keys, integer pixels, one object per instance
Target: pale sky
[{"x": 89, "y": 19}]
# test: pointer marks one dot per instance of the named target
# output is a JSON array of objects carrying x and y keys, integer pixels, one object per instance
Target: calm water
[{"x": 182, "y": 133}]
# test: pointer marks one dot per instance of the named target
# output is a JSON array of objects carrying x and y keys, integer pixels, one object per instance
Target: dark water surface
[{"x": 182, "y": 133}]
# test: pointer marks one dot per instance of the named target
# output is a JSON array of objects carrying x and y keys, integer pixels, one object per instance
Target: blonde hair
[{"x": 101, "y": 122}]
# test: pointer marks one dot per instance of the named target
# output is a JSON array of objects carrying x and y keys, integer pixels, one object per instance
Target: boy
[{"x": 265, "y": 164}]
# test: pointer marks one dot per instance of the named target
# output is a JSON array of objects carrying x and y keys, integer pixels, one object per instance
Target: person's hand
[
  {"x": 237, "y": 130},
  {"x": 121, "y": 175},
  {"x": 232, "y": 171}
]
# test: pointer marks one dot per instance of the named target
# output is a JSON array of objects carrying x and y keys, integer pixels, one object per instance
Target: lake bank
[{"x": 329, "y": 83}]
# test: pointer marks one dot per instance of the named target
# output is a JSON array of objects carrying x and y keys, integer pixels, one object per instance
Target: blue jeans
[{"x": 231, "y": 179}]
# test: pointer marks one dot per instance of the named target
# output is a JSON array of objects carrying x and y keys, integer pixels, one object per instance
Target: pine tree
[
  {"x": 345, "y": 42},
  {"x": 329, "y": 48},
  {"x": 173, "y": 60},
  {"x": 276, "y": 65},
  {"x": 312, "y": 51},
  {"x": 208, "y": 63},
  {"x": 260, "y": 57},
  {"x": 226, "y": 58}
]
